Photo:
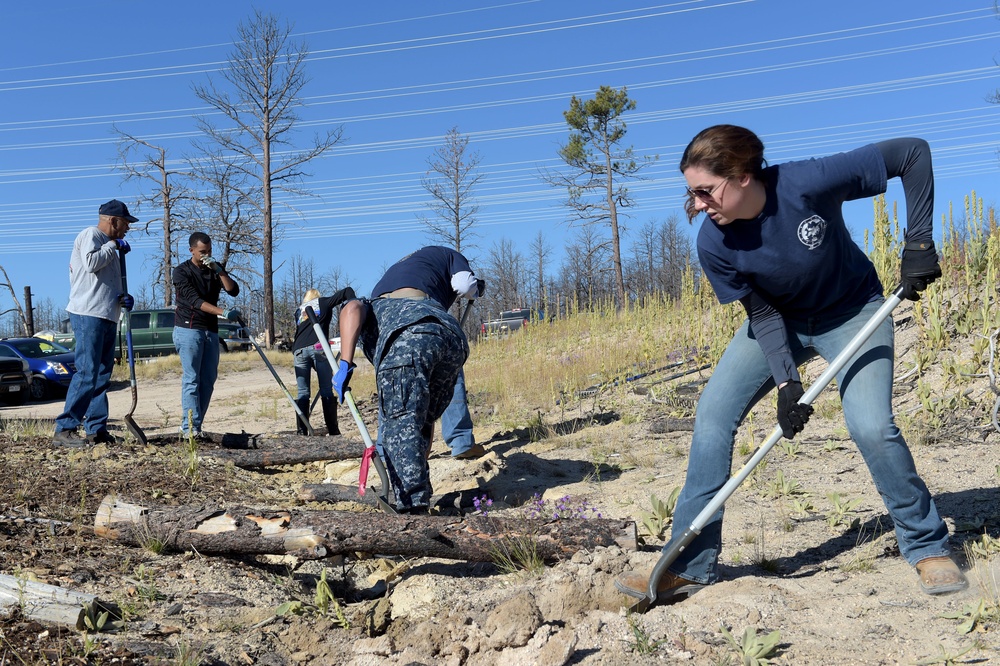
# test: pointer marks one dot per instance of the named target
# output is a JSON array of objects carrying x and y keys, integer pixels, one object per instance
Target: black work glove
[
  {"x": 918, "y": 268},
  {"x": 792, "y": 415}
]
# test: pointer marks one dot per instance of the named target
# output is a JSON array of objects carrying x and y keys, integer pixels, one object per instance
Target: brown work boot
[
  {"x": 477, "y": 451},
  {"x": 636, "y": 584},
  {"x": 940, "y": 575}
]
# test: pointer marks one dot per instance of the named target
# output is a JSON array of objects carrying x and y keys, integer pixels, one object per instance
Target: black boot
[
  {"x": 330, "y": 414},
  {"x": 300, "y": 427}
]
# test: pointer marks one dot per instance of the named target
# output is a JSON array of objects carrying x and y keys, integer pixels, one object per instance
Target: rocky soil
[{"x": 836, "y": 590}]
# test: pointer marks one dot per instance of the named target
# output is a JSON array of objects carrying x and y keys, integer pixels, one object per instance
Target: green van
[{"x": 153, "y": 334}]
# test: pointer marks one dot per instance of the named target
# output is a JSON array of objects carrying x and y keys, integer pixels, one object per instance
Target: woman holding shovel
[
  {"x": 774, "y": 239},
  {"x": 308, "y": 357}
]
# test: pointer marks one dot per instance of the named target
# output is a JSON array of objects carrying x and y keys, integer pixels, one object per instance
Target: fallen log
[
  {"x": 334, "y": 492},
  {"x": 318, "y": 534},
  {"x": 258, "y": 451},
  {"x": 48, "y": 603}
]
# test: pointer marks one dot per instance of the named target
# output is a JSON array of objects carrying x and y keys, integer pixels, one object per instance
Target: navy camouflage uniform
[{"x": 417, "y": 349}]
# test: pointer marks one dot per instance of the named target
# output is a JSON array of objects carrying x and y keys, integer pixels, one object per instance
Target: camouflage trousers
[{"x": 415, "y": 379}]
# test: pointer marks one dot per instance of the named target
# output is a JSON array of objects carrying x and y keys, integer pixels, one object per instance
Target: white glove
[
  {"x": 210, "y": 262},
  {"x": 465, "y": 284}
]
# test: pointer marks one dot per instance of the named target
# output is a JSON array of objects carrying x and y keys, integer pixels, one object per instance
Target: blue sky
[{"x": 811, "y": 78}]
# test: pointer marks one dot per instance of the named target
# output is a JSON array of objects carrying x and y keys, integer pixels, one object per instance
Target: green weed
[
  {"x": 831, "y": 445},
  {"x": 973, "y": 616},
  {"x": 516, "y": 553},
  {"x": 984, "y": 547},
  {"x": 641, "y": 643},
  {"x": 188, "y": 655},
  {"x": 327, "y": 604},
  {"x": 802, "y": 507},
  {"x": 751, "y": 649},
  {"x": 843, "y": 511},
  {"x": 96, "y": 619},
  {"x": 782, "y": 487},
  {"x": 944, "y": 658},
  {"x": 657, "y": 522},
  {"x": 790, "y": 447}
]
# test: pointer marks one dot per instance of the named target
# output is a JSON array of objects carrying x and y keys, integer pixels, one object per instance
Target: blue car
[{"x": 52, "y": 366}]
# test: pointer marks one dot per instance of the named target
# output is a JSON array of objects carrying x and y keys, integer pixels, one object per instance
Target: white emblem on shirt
[{"x": 811, "y": 231}]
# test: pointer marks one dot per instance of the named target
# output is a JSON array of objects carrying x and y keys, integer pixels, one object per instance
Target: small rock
[
  {"x": 335, "y": 470},
  {"x": 376, "y": 619},
  {"x": 513, "y": 623},
  {"x": 416, "y": 598},
  {"x": 558, "y": 648}
]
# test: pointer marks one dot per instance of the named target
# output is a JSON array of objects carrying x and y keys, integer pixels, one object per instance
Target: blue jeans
[
  {"x": 456, "y": 422},
  {"x": 743, "y": 377},
  {"x": 306, "y": 359},
  {"x": 199, "y": 352},
  {"x": 87, "y": 395}
]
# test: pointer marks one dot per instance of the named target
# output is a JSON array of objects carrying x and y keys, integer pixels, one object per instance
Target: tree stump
[{"x": 48, "y": 603}]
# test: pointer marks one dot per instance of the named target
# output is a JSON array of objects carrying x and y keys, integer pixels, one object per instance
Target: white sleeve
[{"x": 464, "y": 284}]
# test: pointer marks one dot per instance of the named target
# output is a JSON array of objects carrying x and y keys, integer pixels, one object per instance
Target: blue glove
[
  {"x": 342, "y": 380},
  {"x": 126, "y": 301},
  {"x": 123, "y": 247},
  {"x": 233, "y": 314}
]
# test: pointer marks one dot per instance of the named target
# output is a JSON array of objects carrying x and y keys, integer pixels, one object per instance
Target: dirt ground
[{"x": 837, "y": 591}]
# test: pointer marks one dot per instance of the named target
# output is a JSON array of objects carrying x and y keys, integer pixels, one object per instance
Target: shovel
[
  {"x": 130, "y": 423},
  {"x": 370, "y": 453},
  {"x": 698, "y": 524},
  {"x": 274, "y": 373}
]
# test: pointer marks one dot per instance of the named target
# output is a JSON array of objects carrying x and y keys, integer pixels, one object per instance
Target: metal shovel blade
[{"x": 130, "y": 423}]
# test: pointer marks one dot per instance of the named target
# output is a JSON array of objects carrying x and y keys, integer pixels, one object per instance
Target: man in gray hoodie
[{"x": 95, "y": 301}]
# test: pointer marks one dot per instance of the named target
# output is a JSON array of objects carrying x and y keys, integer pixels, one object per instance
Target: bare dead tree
[
  {"x": 13, "y": 296},
  {"x": 451, "y": 181},
  {"x": 506, "y": 276},
  {"x": 143, "y": 161},
  {"x": 540, "y": 252},
  {"x": 224, "y": 209},
  {"x": 586, "y": 273},
  {"x": 452, "y": 177},
  {"x": 266, "y": 73},
  {"x": 661, "y": 252}
]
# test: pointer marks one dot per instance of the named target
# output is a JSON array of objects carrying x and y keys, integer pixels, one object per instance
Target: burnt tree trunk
[
  {"x": 318, "y": 534},
  {"x": 667, "y": 424},
  {"x": 333, "y": 492},
  {"x": 253, "y": 451}
]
